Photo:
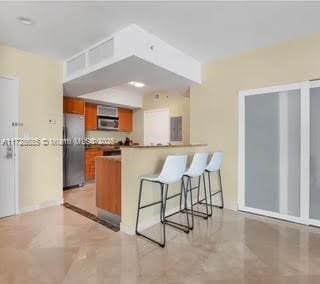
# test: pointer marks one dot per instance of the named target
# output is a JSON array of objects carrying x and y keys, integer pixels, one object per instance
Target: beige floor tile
[
  {"x": 82, "y": 197},
  {"x": 57, "y": 245}
]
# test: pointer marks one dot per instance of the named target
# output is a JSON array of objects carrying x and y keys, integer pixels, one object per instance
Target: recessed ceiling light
[
  {"x": 25, "y": 21},
  {"x": 136, "y": 84}
]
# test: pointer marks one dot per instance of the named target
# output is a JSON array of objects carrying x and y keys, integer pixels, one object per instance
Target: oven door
[{"x": 108, "y": 124}]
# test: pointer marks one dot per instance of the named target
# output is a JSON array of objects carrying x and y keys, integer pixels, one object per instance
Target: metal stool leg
[
  {"x": 139, "y": 205},
  {"x": 164, "y": 205},
  {"x": 214, "y": 193},
  {"x": 205, "y": 193},
  {"x": 190, "y": 189},
  {"x": 179, "y": 226},
  {"x": 191, "y": 202},
  {"x": 220, "y": 180},
  {"x": 210, "y": 193},
  {"x": 182, "y": 190},
  {"x": 162, "y": 210}
]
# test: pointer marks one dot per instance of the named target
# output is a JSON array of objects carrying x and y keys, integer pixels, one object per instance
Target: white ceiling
[{"x": 204, "y": 30}]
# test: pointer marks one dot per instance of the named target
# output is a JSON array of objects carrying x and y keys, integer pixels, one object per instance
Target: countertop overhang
[{"x": 161, "y": 146}]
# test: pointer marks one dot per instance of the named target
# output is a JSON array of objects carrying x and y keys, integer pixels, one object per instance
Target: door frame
[
  {"x": 313, "y": 84},
  {"x": 16, "y": 148},
  {"x": 304, "y": 88}
]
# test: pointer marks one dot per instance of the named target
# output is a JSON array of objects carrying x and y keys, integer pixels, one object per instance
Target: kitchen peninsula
[{"x": 118, "y": 179}]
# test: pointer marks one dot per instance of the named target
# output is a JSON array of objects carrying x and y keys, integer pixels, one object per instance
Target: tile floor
[
  {"x": 82, "y": 197},
  {"x": 57, "y": 245}
]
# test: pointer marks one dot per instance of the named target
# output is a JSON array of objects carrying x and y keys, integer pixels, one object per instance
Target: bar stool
[
  {"x": 196, "y": 170},
  {"x": 172, "y": 172},
  {"x": 214, "y": 166}
]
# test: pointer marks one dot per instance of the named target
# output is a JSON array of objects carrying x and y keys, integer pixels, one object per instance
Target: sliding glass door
[{"x": 271, "y": 163}]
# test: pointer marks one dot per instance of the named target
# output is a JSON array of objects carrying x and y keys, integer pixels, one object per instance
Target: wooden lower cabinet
[
  {"x": 108, "y": 184},
  {"x": 91, "y": 155}
]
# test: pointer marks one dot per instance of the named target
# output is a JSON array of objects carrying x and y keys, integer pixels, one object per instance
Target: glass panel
[
  {"x": 272, "y": 152},
  {"x": 315, "y": 153}
]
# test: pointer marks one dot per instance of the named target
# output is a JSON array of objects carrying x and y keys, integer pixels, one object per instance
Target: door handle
[{"x": 9, "y": 152}]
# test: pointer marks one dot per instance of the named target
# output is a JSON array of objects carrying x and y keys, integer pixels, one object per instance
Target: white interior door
[
  {"x": 156, "y": 127},
  {"x": 273, "y": 149},
  {"x": 8, "y": 166}
]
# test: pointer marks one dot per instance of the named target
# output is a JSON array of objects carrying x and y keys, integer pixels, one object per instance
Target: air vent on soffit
[{"x": 156, "y": 96}]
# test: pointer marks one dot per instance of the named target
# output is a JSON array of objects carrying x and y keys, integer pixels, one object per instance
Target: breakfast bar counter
[
  {"x": 118, "y": 179},
  {"x": 138, "y": 161}
]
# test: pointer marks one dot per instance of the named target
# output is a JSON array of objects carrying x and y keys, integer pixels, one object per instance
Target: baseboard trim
[
  {"x": 42, "y": 205},
  {"x": 231, "y": 206}
]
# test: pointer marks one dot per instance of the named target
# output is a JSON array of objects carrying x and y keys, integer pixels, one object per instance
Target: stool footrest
[
  {"x": 193, "y": 188},
  {"x": 158, "y": 202},
  {"x": 196, "y": 213},
  {"x": 149, "y": 204},
  {"x": 212, "y": 205},
  {"x": 172, "y": 214},
  {"x": 213, "y": 194},
  {"x": 177, "y": 225},
  {"x": 173, "y": 196}
]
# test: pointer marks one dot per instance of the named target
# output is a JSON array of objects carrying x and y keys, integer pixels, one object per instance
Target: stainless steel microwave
[{"x": 108, "y": 123}]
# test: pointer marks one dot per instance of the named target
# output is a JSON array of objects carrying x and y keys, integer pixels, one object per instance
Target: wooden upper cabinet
[
  {"x": 91, "y": 116},
  {"x": 125, "y": 120},
  {"x": 71, "y": 105}
]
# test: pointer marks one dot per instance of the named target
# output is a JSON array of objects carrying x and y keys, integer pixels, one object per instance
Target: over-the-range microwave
[{"x": 107, "y": 123}]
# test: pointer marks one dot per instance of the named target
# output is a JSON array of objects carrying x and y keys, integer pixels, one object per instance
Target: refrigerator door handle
[{"x": 64, "y": 142}]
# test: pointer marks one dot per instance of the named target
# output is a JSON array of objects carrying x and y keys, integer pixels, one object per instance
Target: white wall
[
  {"x": 116, "y": 96},
  {"x": 133, "y": 40}
]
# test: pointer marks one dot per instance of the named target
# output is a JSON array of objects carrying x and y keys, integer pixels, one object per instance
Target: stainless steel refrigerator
[{"x": 74, "y": 153}]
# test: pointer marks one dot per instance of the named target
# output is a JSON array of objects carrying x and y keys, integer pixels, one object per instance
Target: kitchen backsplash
[{"x": 108, "y": 134}]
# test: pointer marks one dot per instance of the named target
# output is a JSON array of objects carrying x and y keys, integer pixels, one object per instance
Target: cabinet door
[
  {"x": 108, "y": 185},
  {"x": 91, "y": 155},
  {"x": 125, "y": 120},
  {"x": 71, "y": 105},
  {"x": 91, "y": 116}
]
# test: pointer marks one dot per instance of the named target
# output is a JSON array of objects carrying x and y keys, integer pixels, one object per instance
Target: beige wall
[
  {"x": 178, "y": 105},
  {"x": 40, "y": 99},
  {"x": 214, "y": 105}
]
